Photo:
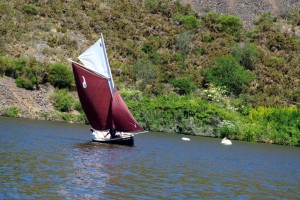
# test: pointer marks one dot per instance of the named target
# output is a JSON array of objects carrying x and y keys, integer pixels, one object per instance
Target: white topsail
[{"x": 95, "y": 59}]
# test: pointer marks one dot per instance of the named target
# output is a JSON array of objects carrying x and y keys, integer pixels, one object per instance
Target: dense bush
[
  {"x": 26, "y": 83},
  {"x": 61, "y": 77},
  {"x": 277, "y": 125},
  {"x": 63, "y": 100},
  {"x": 31, "y": 9},
  {"x": 189, "y": 21},
  {"x": 228, "y": 73},
  {"x": 12, "y": 112},
  {"x": 229, "y": 24},
  {"x": 152, "y": 5},
  {"x": 145, "y": 72},
  {"x": 27, "y": 72},
  {"x": 179, "y": 114},
  {"x": 247, "y": 54},
  {"x": 183, "y": 85}
]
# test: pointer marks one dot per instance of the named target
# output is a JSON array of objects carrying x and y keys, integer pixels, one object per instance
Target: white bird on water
[
  {"x": 225, "y": 141},
  {"x": 185, "y": 139}
]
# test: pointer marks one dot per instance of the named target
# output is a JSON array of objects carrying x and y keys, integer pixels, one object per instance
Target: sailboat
[{"x": 109, "y": 117}]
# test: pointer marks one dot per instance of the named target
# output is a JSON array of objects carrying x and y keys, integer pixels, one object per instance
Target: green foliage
[
  {"x": 28, "y": 79},
  {"x": 294, "y": 16},
  {"x": 227, "y": 129},
  {"x": 22, "y": 82},
  {"x": 189, "y": 21},
  {"x": 277, "y": 125},
  {"x": 13, "y": 67},
  {"x": 229, "y": 24},
  {"x": 60, "y": 76},
  {"x": 131, "y": 95},
  {"x": 27, "y": 72},
  {"x": 180, "y": 114},
  {"x": 31, "y": 9},
  {"x": 12, "y": 112},
  {"x": 78, "y": 107},
  {"x": 228, "y": 73},
  {"x": 183, "y": 41},
  {"x": 247, "y": 54},
  {"x": 145, "y": 71},
  {"x": 4, "y": 8},
  {"x": 63, "y": 100},
  {"x": 183, "y": 85},
  {"x": 265, "y": 22},
  {"x": 152, "y": 5}
]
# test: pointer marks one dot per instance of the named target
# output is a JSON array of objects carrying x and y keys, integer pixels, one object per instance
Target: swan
[
  {"x": 185, "y": 139},
  {"x": 225, "y": 141}
]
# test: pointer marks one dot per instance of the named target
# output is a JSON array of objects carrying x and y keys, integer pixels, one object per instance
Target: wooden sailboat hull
[{"x": 128, "y": 141}]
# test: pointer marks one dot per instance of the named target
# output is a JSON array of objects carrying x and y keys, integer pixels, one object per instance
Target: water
[{"x": 51, "y": 160}]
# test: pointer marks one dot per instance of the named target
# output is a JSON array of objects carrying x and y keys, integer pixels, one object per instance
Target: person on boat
[{"x": 114, "y": 133}]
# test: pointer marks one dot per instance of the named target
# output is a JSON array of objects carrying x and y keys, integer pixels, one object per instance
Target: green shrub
[
  {"x": 173, "y": 113},
  {"x": 60, "y": 76},
  {"x": 78, "y": 107},
  {"x": 182, "y": 42},
  {"x": 63, "y": 100},
  {"x": 183, "y": 85},
  {"x": 265, "y": 22},
  {"x": 230, "y": 24},
  {"x": 31, "y": 9},
  {"x": 151, "y": 5},
  {"x": 247, "y": 54},
  {"x": 227, "y": 129},
  {"x": 14, "y": 67},
  {"x": 189, "y": 21},
  {"x": 145, "y": 71},
  {"x": 131, "y": 95},
  {"x": 278, "y": 125},
  {"x": 26, "y": 83},
  {"x": 4, "y": 8},
  {"x": 209, "y": 21},
  {"x": 228, "y": 73},
  {"x": 68, "y": 117},
  {"x": 28, "y": 79},
  {"x": 12, "y": 112}
]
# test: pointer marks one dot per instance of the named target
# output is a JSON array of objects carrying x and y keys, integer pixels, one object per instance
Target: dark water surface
[{"x": 51, "y": 160}]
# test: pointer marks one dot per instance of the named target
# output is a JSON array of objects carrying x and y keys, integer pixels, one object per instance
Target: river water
[{"x": 52, "y": 160}]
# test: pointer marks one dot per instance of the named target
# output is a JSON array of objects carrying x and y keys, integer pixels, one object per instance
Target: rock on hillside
[
  {"x": 248, "y": 10},
  {"x": 30, "y": 103}
]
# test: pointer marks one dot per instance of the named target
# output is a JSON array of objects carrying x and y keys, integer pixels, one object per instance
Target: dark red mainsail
[
  {"x": 103, "y": 110},
  {"x": 95, "y": 97}
]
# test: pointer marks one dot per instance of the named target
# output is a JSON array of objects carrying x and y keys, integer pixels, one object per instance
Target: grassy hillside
[
  {"x": 151, "y": 43},
  {"x": 222, "y": 78}
]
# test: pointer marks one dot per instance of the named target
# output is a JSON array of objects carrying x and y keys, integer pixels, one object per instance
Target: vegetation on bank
[{"x": 178, "y": 72}]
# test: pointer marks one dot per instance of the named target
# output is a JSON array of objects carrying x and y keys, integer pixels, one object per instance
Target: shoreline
[{"x": 82, "y": 123}]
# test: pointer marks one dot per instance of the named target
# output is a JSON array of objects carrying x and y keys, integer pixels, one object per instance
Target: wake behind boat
[{"x": 107, "y": 113}]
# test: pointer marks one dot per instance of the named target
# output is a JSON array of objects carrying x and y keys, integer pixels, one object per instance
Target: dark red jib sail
[
  {"x": 102, "y": 110},
  {"x": 122, "y": 118}
]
